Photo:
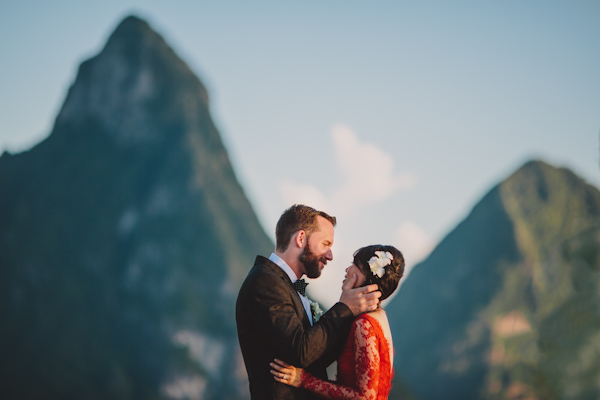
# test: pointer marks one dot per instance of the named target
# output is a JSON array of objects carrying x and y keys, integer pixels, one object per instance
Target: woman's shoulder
[
  {"x": 377, "y": 317},
  {"x": 364, "y": 322},
  {"x": 369, "y": 322}
]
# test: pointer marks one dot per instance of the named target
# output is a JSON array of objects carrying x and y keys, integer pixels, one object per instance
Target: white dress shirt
[{"x": 286, "y": 268}]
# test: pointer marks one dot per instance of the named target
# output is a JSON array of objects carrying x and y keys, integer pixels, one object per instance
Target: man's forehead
[{"x": 325, "y": 226}]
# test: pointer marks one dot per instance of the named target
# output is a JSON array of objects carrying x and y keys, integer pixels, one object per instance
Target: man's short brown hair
[{"x": 298, "y": 218}]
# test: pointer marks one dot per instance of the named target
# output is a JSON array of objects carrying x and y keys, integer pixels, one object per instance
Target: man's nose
[{"x": 329, "y": 255}]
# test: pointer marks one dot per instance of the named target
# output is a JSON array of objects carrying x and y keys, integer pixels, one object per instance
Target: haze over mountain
[
  {"x": 124, "y": 237},
  {"x": 508, "y": 304}
]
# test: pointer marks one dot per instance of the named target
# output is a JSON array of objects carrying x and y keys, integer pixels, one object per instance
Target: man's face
[{"x": 317, "y": 252}]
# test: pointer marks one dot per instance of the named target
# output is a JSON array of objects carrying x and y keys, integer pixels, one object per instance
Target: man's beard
[{"x": 311, "y": 262}]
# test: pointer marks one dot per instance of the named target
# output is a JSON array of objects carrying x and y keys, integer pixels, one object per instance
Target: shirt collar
[{"x": 283, "y": 265}]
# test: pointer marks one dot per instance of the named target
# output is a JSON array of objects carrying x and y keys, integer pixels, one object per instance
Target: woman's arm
[{"x": 366, "y": 359}]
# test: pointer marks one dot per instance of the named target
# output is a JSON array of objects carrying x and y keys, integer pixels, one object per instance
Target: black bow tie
[{"x": 300, "y": 285}]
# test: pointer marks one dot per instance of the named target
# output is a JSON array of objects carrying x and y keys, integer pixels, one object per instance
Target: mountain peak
[
  {"x": 132, "y": 22},
  {"x": 503, "y": 289},
  {"x": 155, "y": 238},
  {"x": 132, "y": 33},
  {"x": 138, "y": 72},
  {"x": 545, "y": 202},
  {"x": 541, "y": 170}
]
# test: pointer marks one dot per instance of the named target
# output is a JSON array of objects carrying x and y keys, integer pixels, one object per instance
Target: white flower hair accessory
[{"x": 379, "y": 261}]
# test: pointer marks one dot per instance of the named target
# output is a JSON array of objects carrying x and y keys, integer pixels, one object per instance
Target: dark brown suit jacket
[{"x": 272, "y": 323}]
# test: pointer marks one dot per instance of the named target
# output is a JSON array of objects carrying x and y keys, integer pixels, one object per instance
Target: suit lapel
[{"x": 300, "y": 310}]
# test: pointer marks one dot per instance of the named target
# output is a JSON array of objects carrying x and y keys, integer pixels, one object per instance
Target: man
[{"x": 275, "y": 321}]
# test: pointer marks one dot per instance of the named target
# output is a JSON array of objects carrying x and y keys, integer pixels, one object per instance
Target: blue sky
[{"x": 395, "y": 116}]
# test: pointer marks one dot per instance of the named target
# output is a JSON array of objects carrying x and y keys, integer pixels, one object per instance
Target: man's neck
[{"x": 291, "y": 261}]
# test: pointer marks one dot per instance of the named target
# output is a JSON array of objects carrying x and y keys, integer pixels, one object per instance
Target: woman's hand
[{"x": 286, "y": 373}]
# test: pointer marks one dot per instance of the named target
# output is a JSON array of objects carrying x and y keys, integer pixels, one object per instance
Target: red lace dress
[{"x": 364, "y": 369}]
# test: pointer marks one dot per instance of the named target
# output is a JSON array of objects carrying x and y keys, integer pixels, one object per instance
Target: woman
[{"x": 365, "y": 369}]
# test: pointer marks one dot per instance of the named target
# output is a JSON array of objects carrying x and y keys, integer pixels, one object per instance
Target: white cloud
[
  {"x": 414, "y": 244},
  {"x": 367, "y": 170},
  {"x": 303, "y": 194},
  {"x": 367, "y": 173}
]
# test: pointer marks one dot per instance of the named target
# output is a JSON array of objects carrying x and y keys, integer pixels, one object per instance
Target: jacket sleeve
[{"x": 275, "y": 313}]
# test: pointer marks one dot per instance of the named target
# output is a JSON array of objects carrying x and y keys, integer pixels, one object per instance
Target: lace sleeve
[{"x": 367, "y": 360}]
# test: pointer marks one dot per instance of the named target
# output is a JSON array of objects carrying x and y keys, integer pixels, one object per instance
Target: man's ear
[{"x": 300, "y": 238}]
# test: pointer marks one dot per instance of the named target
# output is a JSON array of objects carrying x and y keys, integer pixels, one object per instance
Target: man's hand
[{"x": 361, "y": 299}]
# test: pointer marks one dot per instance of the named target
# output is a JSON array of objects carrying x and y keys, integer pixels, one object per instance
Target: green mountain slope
[
  {"x": 124, "y": 237},
  {"x": 508, "y": 304}
]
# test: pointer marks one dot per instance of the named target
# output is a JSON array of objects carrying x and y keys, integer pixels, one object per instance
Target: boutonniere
[{"x": 316, "y": 310}]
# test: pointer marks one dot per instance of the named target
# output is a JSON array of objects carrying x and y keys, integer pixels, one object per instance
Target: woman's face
[{"x": 360, "y": 276}]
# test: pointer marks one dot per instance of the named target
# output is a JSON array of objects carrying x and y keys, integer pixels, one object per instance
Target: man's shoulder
[
  {"x": 265, "y": 282},
  {"x": 261, "y": 261},
  {"x": 264, "y": 272},
  {"x": 264, "y": 266}
]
